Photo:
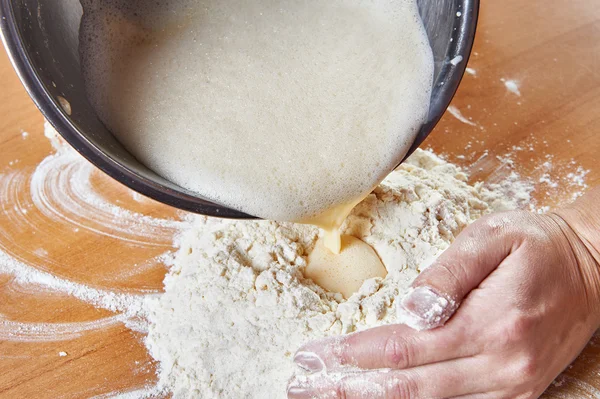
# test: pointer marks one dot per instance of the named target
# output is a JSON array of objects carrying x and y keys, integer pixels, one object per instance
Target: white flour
[
  {"x": 455, "y": 112},
  {"x": 512, "y": 86},
  {"x": 236, "y": 306}
]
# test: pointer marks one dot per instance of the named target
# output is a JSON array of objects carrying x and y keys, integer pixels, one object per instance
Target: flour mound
[{"x": 236, "y": 306}]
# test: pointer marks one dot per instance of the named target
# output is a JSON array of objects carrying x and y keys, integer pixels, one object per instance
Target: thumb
[{"x": 437, "y": 292}]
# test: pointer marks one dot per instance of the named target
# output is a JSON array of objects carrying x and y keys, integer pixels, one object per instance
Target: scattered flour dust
[
  {"x": 471, "y": 71},
  {"x": 455, "y": 112},
  {"x": 512, "y": 86},
  {"x": 236, "y": 306}
]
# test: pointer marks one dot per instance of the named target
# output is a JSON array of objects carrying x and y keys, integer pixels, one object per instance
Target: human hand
[{"x": 530, "y": 291}]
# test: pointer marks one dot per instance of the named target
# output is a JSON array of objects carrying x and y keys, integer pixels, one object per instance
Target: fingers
[
  {"x": 438, "y": 290},
  {"x": 393, "y": 346},
  {"x": 440, "y": 380},
  {"x": 490, "y": 395}
]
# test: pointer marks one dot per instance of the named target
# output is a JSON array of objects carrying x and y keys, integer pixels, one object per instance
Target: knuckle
[
  {"x": 517, "y": 330},
  {"x": 520, "y": 327},
  {"x": 343, "y": 353},
  {"x": 495, "y": 223},
  {"x": 397, "y": 353},
  {"x": 528, "y": 367},
  {"x": 527, "y": 395},
  {"x": 454, "y": 275},
  {"x": 538, "y": 233},
  {"x": 401, "y": 387},
  {"x": 504, "y": 223},
  {"x": 525, "y": 369},
  {"x": 341, "y": 390}
]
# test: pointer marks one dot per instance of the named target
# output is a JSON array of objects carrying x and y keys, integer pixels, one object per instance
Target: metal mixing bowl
[{"x": 42, "y": 39}]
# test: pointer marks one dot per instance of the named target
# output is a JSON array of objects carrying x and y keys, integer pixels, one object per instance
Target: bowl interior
[{"x": 42, "y": 39}]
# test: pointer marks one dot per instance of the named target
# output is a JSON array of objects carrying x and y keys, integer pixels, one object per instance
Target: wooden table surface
[{"x": 550, "y": 48}]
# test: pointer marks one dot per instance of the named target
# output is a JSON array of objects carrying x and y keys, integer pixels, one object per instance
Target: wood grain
[{"x": 550, "y": 47}]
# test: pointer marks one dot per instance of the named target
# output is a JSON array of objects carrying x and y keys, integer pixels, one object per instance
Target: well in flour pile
[{"x": 236, "y": 306}]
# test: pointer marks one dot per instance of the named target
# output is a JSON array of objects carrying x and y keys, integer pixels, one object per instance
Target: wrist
[
  {"x": 583, "y": 216},
  {"x": 580, "y": 223}
]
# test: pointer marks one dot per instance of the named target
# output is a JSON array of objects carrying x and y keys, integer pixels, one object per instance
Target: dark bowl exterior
[{"x": 42, "y": 40}]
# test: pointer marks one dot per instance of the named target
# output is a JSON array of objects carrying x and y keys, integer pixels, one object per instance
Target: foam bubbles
[{"x": 278, "y": 108}]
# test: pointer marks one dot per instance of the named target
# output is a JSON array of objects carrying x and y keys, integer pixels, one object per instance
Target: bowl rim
[{"x": 58, "y": 118}]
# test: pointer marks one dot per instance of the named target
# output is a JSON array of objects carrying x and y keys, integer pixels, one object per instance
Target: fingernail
[
  {"x": 299, "y": 393},
  {"x": 309, "y": 361},
  {"x": 424, "y": 309}
]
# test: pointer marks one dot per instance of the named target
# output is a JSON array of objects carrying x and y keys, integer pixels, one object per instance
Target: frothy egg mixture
[{"x": 290, "y": 110}]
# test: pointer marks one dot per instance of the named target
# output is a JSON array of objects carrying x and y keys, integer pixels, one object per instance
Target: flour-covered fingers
[
  {"x": 393, "y": 346},
  {"x": 439, "y": 380},
  {"x": 438, "y": 291}
]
